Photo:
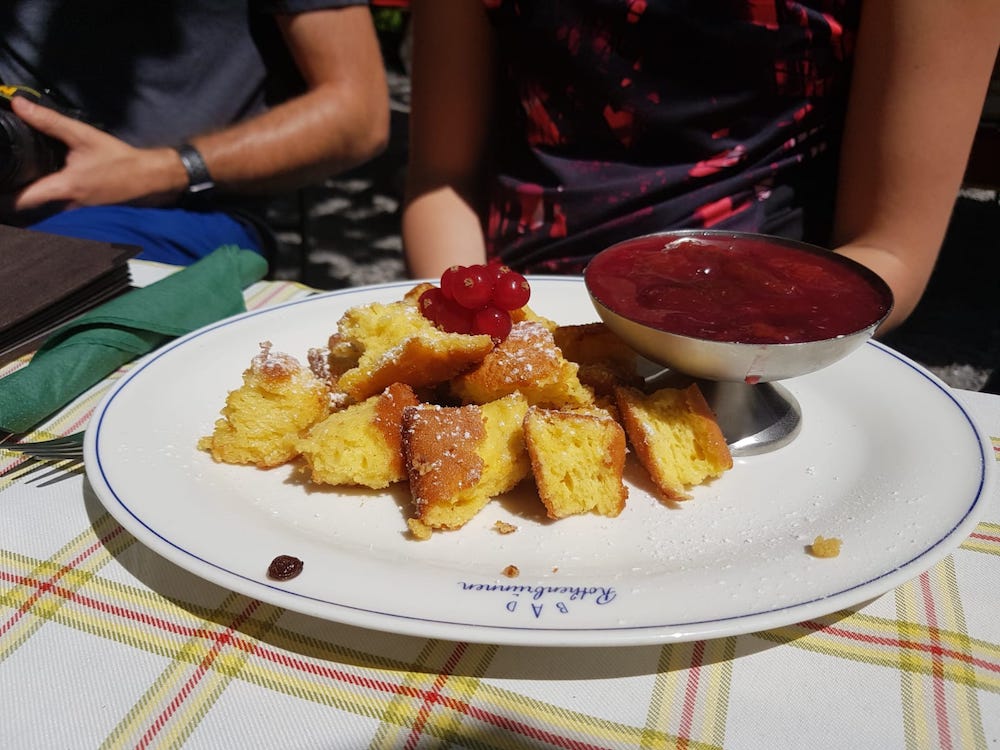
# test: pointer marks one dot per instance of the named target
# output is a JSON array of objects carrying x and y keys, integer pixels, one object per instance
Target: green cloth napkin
[{"x": 84, "y": 352}]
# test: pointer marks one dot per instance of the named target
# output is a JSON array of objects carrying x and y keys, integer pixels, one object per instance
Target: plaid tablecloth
[{"x": 105, "y": 644}]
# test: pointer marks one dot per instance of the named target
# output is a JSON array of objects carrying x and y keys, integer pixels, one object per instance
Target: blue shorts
[{"x": 167, "y": 235}]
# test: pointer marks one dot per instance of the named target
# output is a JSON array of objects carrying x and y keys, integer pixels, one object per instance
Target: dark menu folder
[{"x": 47, "y": 280}]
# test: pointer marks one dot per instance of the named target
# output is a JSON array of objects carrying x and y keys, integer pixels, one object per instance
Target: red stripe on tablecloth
[
  {"x": 985, "y": 537},
  {"x": 285, "y": 660},
  {"x": 254, "y": 648},
  {"x": 81, "y": 422},
  {"x": 690, "y": 695},
  {"x": 433, "y": 696},
  {"x": 898, "y": 643},
  {"x": 262, "y": 302},
  {"x": 937, "y": 666},
  {"x": 48, "y": 585},
  {"x": 502, "y": 722},
  {"x": 77, "y": 598},
  {"x": 222, "y": 639}
]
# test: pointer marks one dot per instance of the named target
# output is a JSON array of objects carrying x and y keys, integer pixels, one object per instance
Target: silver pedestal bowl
[{"x": 737, "y": 377}]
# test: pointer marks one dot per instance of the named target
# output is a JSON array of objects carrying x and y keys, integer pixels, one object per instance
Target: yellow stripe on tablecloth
[
  {"x": 715, "y": 706},
  {"x": 287, "y": 662},
  {"x": 846, "y": 634},
  {"x": 35, "y": 597},
  {"x": 967, "y": 662},
  {"x": 984, "y": 538},
  {"x": 16, "y": 364},
  {"x": 459, "y": 705},
  {"x": 941, "y": 669},
  {"x": 424, "y": 679},
  {"x": 691, "y": 696},
  {"x": 187, "y": 689},
  {"x": 940, "y": 701},
  {"x": 890, "y": 644},
  {"x": 269, "y": 293}
]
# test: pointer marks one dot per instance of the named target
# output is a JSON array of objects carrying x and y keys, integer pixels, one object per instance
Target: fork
[
  {"x": 60, "y": 448},
  {"x": 61, "y": 457}
]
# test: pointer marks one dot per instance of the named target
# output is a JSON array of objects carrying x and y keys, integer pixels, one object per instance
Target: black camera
[{"x": 25, "y": 154}]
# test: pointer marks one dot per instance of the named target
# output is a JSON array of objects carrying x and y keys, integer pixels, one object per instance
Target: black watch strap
[{"x": 199, "y": 178}]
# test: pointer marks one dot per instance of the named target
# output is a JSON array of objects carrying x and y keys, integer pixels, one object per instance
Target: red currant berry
[
  {"x": 449, "y": 279},
  {"x": 494, "y": 322},
  {"x": 454, "y": 318},
  {"x": 430, "y": 303},
  {"x": 511, "y": 291},
  {"x": 495, "y": 267},
  {"x": 473, "y": 287}
]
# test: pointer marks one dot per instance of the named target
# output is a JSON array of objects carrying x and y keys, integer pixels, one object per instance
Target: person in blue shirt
[{"x": 179, "y": 118}]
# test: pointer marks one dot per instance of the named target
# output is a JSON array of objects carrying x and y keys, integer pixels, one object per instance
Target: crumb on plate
[{"x": 825, "y": 547}]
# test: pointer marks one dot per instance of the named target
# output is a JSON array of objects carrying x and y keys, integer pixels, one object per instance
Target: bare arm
[
  {"x": 922, "y": 71},
  {"x": 340, "y": 121},
  {"x": 451, "y": 100}
]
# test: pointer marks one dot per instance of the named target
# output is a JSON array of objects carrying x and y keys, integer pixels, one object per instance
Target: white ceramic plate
[{"x": 887, "y": 460}]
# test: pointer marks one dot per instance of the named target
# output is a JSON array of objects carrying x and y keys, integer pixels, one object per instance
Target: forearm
[
  {"x": 341, "y": 121},
  {"x": 922, "y": 70},
  {"x": 294, "y": 144},
  {"x": 299, "y": 142},
  {"x": 440, "y": 230},
  {"x": 888, "y": 262},
  {"x": 452, "y": 100}
]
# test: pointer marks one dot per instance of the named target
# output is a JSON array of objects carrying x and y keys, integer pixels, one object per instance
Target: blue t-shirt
[{"x": 624, "y": 117}]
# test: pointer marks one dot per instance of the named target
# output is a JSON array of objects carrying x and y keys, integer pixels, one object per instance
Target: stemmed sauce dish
[{"x": 737, "y": 312}]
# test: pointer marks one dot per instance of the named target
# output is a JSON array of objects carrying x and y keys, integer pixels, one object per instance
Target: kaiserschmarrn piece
[
  {"x": 604, "y": 359},
  {"x": 263, "y": 419},
  {"x": 577, "y": 459},
  {"x": 526, "y": 362},
  {"x": 360, "y": 445},
  {"x": 675, "y": 436},
  {"x": 395, "y": 343},
  {"x": 460, "y": 457}
]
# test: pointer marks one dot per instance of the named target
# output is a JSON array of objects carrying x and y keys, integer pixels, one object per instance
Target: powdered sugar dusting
[
  {"x": 274, "y": 364},
  {"x": 319, "y": 362}
]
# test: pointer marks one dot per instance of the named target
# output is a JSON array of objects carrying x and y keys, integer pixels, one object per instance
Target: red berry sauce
[{"x": 737, "y": 288}]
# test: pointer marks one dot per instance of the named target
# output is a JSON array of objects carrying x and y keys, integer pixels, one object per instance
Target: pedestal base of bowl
[{"x": 754, "y": 418}]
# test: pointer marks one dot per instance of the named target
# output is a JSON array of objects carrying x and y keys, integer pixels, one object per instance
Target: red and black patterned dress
[{"x": 624, "y": 117}]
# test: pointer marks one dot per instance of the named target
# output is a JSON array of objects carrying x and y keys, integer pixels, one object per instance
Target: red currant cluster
[{"x": 476, "y": 299}]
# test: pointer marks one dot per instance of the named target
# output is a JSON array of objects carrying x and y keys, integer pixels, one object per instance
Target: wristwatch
[{"x": 199, "y": 178}]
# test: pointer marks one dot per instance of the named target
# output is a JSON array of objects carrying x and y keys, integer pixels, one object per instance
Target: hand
[{"x": 100, "y": 169}]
